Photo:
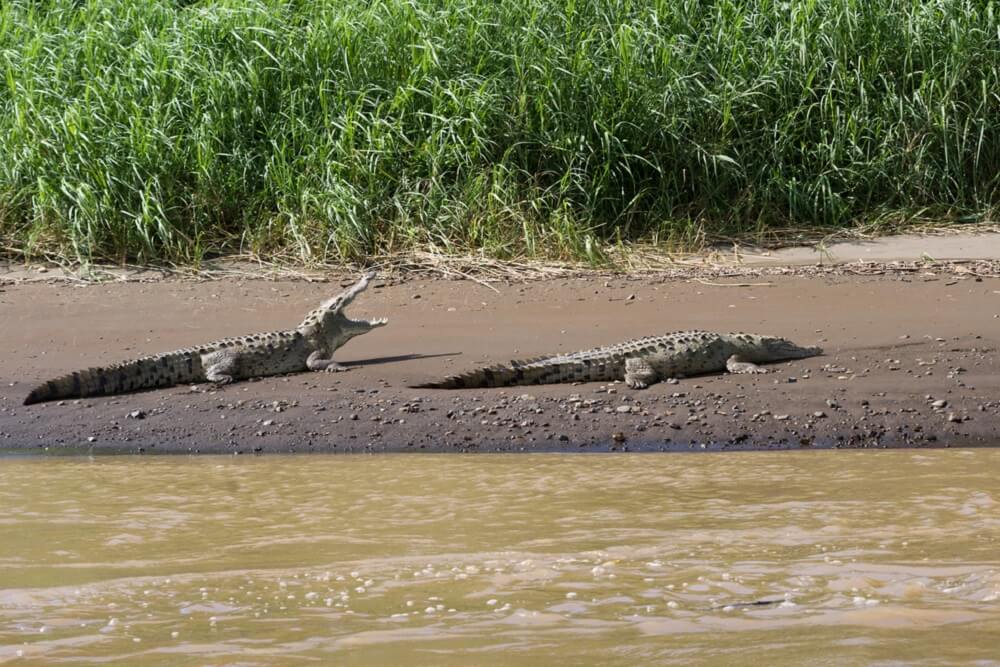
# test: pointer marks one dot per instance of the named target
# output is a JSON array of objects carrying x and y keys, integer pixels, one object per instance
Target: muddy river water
[{"x": 786, "y": 558}]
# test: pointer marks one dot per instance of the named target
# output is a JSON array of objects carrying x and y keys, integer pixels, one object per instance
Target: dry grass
[{"x": 646, "y": 261}]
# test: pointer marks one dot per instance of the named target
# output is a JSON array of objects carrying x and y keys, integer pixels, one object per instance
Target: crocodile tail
[
  {"x": 523, "y": 373},
  {"x": 163, "y": 370}
]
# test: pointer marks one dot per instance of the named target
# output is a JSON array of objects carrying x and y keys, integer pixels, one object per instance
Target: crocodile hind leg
[
  {"x": 220, "y": 368},
  {"x": 735, "y": 364},
  {"x": 639, "y": 374}
]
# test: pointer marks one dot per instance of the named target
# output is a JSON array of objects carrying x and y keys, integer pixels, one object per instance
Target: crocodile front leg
[
  {"x": 639, "y": 374},
  {"x": 735, "y": 364},
  {"x": 316, "y": 362}
]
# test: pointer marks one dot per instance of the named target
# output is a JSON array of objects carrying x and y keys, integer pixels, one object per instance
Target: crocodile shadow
[{"x": 395, "y": 358}]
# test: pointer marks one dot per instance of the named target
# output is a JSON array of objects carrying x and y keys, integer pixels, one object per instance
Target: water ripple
[{"x": 787, "y": 557}]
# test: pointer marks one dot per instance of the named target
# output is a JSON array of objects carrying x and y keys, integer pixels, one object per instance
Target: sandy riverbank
[{"x": 897, "y": 345}]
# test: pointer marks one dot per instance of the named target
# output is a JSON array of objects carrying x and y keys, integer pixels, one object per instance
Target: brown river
[{"x": 780, "y": 558}]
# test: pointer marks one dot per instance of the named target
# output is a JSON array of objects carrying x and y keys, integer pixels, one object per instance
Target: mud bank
[{"x": 910, "y": 361}]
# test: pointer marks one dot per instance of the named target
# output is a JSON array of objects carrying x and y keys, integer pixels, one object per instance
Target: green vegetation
[{"x": 157, "y": 130}]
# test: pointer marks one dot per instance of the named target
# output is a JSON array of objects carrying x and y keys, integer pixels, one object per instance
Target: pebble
[{"x": 940, "y": 403}]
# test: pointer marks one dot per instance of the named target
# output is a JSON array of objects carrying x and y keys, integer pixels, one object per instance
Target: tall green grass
[{"x": 159, "y": 130}]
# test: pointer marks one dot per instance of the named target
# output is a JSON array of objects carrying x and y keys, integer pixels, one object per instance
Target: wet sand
[{"x": 910, "y": 361}]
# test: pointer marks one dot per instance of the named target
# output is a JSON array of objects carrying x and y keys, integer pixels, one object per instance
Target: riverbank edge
[{"x": 910, "y": 361}]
